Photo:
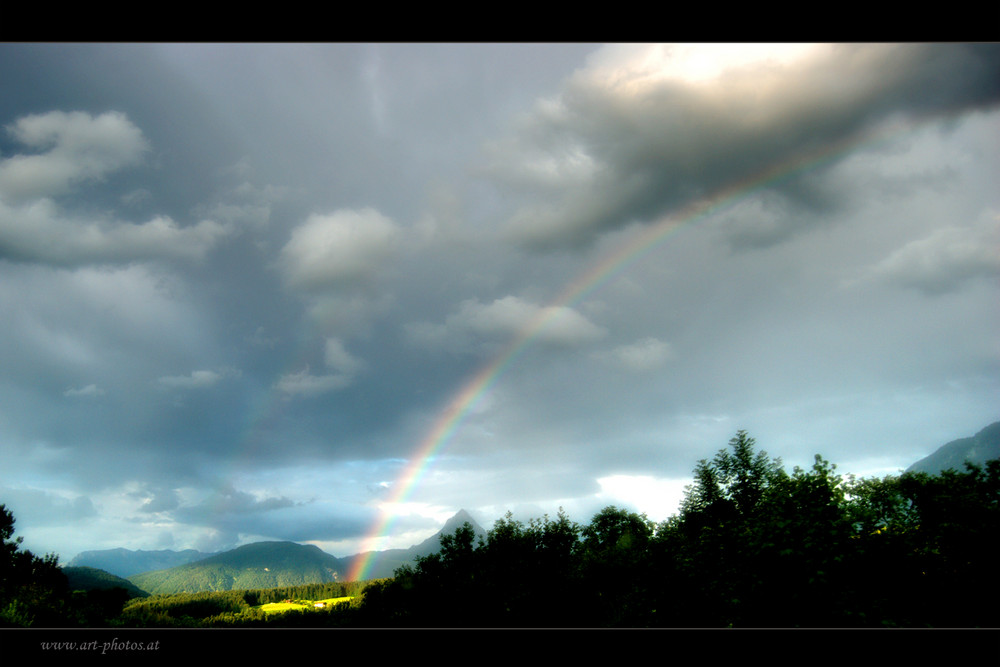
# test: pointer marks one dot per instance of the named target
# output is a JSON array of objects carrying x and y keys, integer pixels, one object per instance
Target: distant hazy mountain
[
  {"x": 125, "y": 562},
  {"x": 258, "y": 565},
  {"x": 980, "y": 448},
  {"x": 387, "y": 561},
  {"x": 279, "y": 564},
  {"x": 92, "y": 578}
]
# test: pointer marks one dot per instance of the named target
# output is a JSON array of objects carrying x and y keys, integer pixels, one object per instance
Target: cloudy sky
[{"x": 284, "y": 291}]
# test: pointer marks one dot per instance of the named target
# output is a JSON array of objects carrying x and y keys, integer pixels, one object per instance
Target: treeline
[
  {"x": 34, "y": 591},
  {"x": 752, "y": 546},
  {"x": 31, "y": 588},
  {"x": 238, "y": 608}
]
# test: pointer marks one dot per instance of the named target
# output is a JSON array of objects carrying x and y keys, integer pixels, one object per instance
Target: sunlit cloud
[
  {"x": 339, "y": 249},
  {"x": 657, "y": 498},
  {"x": 502, "y": 319},
  {"x": 644, "y": 129},
  {"x": 76, "y": 148}
]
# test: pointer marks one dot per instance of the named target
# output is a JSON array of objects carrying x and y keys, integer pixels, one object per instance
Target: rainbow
[{"x": 451, "y": 418}]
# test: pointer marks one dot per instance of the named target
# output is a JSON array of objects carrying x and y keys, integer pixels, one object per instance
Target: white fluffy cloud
[
  {"x": 945, "y": 259},
  {"x": 559, "y": 325},
  {"x": 39, "y": 232},
  {"x": 658, "y": 498},
  {"x": 81, "y": 149},
  {"x": 77, "y": 148},
  {"x": 504, "y": 319},
  {"x": 338, "y": 249},
  {"x": 643, "y": 355}
]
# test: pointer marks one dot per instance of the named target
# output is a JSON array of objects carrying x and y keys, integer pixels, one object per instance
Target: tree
[
  {"x": 616, "y": 533},
  {"x": 33, "y": 590},
  {"x": 733, "y": 484},
  {"x": 930, "y": 539},
  {"x": 456, "y": 549},
  {"x": 799, "y": 541},
  {"x": 616, "y": 566},
  {"x": 713, "y": 548}
]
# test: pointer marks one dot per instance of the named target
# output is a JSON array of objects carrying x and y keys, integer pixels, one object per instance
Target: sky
[{"x": 334, "y": 293}]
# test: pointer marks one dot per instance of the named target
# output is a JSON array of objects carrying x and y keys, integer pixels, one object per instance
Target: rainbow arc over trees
[{"x": 475, "y": 388}]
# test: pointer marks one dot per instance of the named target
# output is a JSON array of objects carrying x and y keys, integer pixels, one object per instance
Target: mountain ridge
[
  {"x": 256, "y": 565},
  {"x": 126, "y": 562},
  {"x": 273, "y": 564},
  {"x": 979, "y": 448}
]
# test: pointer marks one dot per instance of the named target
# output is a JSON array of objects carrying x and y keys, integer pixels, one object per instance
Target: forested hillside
[
  {"x": 258, "y": 565},
  {"x": 92, "y": 578},
  {"x": 273, "y": 564},
  {"x": 980, "y": 448}
]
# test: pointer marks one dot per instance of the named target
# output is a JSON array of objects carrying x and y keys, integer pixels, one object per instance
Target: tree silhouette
[{"x": 33, "y": 590}]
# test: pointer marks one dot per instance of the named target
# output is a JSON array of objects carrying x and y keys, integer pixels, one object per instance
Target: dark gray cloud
[
  {"x": 619, "y": 145},
  {"x": 242, "y": 285}
]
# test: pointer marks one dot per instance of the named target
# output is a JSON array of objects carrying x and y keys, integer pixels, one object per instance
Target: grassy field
[{"x": 277, "y": 607}]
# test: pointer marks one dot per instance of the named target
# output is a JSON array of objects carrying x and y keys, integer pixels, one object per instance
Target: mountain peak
[{"x": 455, "y": 522}]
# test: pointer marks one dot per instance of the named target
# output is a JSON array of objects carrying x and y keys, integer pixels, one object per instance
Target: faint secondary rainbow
[{"x": 600, "y": 274}]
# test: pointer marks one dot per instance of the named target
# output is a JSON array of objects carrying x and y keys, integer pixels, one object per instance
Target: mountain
[
  {"x": 125, "y": 562},
  {"x": 280, "y": 564},
  {"x": 980, "y": 448},
  {"x": 257, "y": 565},
  {"x": 433, "y": 543},
  {"x": 91, "y": 578},
  {"x": 387, "y": 561}
]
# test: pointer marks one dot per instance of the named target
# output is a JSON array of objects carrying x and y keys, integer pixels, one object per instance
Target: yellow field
[{"x": 275, "y": 607}]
